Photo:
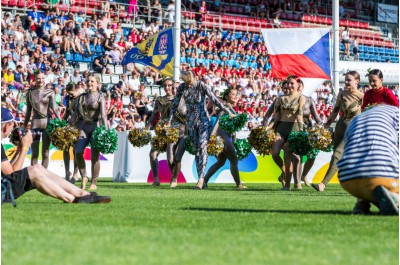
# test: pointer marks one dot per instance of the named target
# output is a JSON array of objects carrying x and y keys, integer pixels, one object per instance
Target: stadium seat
[
  {"x": 68, "y": 56},
  {"x": 396, "y": 53},
  {"x": 361, "y": 56},
  {"x": 13, "y": 3},
  {"x": 106, "y": 79},
  {"x": 4, "y": 2}
]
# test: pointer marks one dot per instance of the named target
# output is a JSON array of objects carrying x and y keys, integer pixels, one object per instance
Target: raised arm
[
  {"x": 175, "y": 103},
  {"x": 214, "y": 99}
]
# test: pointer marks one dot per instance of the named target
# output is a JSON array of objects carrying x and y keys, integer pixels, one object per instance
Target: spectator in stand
[
  {"x": 76, "y": 77},
  {"x": 355, "y": 48},
  {"x": 277, "y": 22},
  {"x": 345, "y": 40},
  {"x": 100, "y": 64},
  {"x": 171, "y": 12}
]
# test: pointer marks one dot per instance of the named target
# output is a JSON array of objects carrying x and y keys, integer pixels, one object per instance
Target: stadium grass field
[{"x": 220, "y": 225}]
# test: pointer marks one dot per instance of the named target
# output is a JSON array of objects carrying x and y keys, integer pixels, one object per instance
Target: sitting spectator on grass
[{"x": 20, "y": 180}]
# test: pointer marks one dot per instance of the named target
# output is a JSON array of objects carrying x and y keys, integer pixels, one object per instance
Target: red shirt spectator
[{"x": 379, "y": 96}]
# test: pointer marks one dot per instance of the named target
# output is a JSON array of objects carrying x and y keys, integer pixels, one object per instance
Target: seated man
[
  {"x": 369, "y": 168},
  {"x": 26, "y": 179}
]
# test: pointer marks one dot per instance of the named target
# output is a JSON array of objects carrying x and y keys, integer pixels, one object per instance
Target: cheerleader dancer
[
  {"x": 39, "y": 100},
  {"x": 70, "y": 116},
  {"x": 176, "y": 150},
  {"x": 197, "y": 120},
  {"x": 309, "y": 110},
  {"x": 286, "y": 151},
  {"x": 288, "y": 117},
  {"x": 378, "y": 94},
  {"x": 89, "y": 107},
  {"x": 348, "y": 102},
  {"x": 230, "y": 96}
]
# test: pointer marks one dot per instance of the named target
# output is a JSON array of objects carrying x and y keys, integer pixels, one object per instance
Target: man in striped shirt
[{"x": 369, "y": 168}]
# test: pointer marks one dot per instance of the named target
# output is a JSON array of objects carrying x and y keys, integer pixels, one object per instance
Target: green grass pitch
[{"x": 220, "y": 225}]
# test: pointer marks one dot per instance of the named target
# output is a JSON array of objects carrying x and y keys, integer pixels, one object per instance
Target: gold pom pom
[
  {"x": 64, "y": 137},
  {"x": 139, "y": 137},
  {"x": 215, "y": 145},
  {"x": 320, "y": 138},
  {"x": 158, "y": 144},
  {"x": 170, "y": 134},
  {"x": 261, "y": 140}
]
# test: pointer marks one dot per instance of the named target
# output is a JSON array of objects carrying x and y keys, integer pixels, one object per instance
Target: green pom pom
[
  {"x": 298, "y": 143},
  {"x": 106, "y": 141},
  {"x": 312, "y": 154},
  {"x": 243, "y": 148},
  {"x": 188, "y": 146},
  {"x": 55, "y": 123},
  {"x": 232, "y": 125}
]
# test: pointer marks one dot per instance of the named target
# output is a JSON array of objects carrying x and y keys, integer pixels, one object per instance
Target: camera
[{"x": 15, "y": 134}]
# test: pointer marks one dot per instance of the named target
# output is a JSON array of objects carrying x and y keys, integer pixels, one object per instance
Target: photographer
[{"x": 26, "y": 179}]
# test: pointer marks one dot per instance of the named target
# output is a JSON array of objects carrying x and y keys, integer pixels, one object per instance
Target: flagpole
[
  {"x": 336, "y": 43},
  {"x": 177, "y": 40}
]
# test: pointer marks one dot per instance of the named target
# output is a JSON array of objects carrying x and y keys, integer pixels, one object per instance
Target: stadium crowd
[{"x": 44, "y": 41}]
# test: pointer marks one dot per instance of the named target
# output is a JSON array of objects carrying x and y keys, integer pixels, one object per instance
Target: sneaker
[
  {"x": 386, "y": 201},
  {"x": 92, "y": 198},
  {"x": 361, "y": 207}
]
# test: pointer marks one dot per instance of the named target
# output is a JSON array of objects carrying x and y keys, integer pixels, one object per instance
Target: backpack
[{"x": 7, "y": 194}]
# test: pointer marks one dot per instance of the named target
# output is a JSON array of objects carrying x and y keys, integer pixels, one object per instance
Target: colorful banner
[
  {"x": 157, "y": 52},
  {"x": 133, "y": 165}
]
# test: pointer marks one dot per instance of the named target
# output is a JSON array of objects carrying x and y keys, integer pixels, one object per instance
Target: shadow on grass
[{"x": 333, "y": 212}]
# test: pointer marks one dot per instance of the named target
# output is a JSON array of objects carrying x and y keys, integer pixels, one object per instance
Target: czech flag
[{"x": 303, "y": 52}]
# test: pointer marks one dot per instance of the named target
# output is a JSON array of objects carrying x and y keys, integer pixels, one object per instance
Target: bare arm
[
  {"x": 268, "y": 114},
  {"x": 314, "y": 113},
  {"x": 335, "y": 111},
  {"x": 53, "y": 105},
  {"x": 153, "y": 116},
  {"x": 103, "y": 112},
  {"x": 28, "y": 110}
]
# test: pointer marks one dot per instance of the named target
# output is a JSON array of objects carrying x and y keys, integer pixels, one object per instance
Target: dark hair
[
  {"x": 70, "y": 87},
  {"x": 355, "y": 74},
  {"x": 227, "y": 91},
  {"x": 376, "y": 72}
]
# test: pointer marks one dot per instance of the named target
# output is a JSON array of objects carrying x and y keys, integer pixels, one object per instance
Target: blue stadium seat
[
  {"x": 341, "y": 47},
  {"x": 370, "y": 49},
  {"x": 361, "y": 48},
  {"x": 92, "y": 49},
  {"x": 372, "y": 57},
  {"x": 381, "y": 50},
  {"x": 68, "y": 56},
  {"x": 361, "y": 56},
  {"x": 99, "y": 49},
  {"x": 396, "y": 53},
  {"x": 376, "y": 50},
  {"x": 78, "y": 57}
]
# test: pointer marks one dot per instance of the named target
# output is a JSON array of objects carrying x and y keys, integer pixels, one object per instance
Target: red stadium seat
[
  {"x": 74, "y": 9},
  {"x": 21, "y": 4},
  {"x": 13, "y": 3},
  {"x": 4, "y": 2}
]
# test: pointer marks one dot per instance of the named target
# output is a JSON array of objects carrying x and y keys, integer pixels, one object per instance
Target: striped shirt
[{"x": 371, "y": 145}]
